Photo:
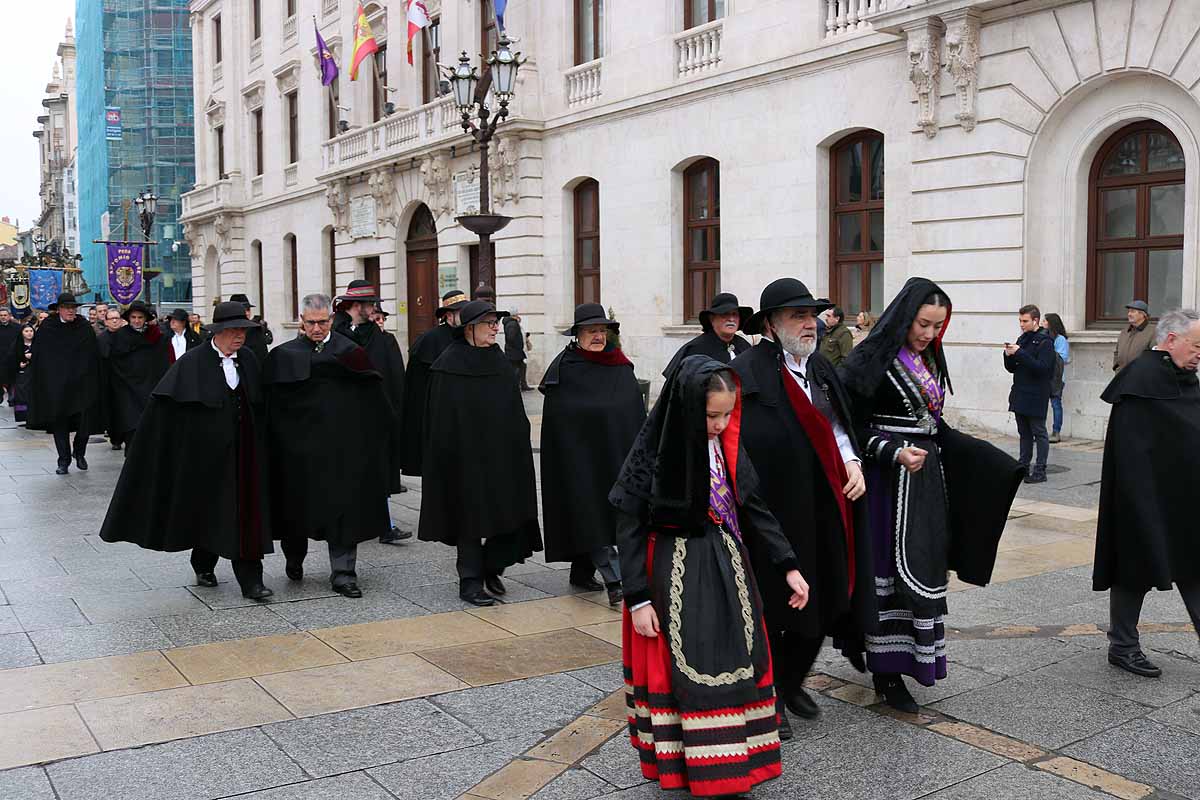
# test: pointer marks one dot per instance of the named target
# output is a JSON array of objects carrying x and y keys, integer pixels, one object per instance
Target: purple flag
[
  {"x": 328, "y": 64},
  {"x": 124, "y": 271}
]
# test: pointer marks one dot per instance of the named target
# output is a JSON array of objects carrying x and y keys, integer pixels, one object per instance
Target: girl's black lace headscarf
[
  {"x": 863, "y": 371},
  {"x": 665, "y": 478}
]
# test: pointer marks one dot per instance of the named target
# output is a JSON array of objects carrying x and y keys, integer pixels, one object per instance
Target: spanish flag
[{"x": 364, "y": 42}]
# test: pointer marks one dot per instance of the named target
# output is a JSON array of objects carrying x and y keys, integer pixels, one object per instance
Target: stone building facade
[
  {"x": 1037, "y": 151},
  {"x": 57, "y": 134}
]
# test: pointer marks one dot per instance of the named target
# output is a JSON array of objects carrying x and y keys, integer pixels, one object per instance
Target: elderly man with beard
[
  {"x": 721, "y": 322},
  {"x": 798, "y": 431}
]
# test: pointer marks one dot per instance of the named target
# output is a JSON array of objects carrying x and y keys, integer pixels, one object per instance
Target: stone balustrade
[
  {"x": 289, "y": 30},
  {"x": 848, "y": 16},
  {"x": 222, "y": 193},
  {"x": 431, "y": 123},
  {"x": 583, "y": 84},
  {"x": 329, "y": 8},
  {"x": 256, "y": 50},
  {"x": 698, "y": 49}
]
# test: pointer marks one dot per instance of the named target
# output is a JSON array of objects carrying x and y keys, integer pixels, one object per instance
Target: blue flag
[
  {"x": 44, "y": 287},
  {"x": 500, "y": 4}
]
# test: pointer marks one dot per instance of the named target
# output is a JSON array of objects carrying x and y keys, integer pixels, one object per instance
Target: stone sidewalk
[{"x": 120, "y": 680}]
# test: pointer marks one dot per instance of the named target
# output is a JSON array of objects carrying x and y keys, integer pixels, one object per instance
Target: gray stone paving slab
[
  {"x": 22, "y": 517},
  {"x": 1184, "y": 715},
  {"x": 402, "y": 577},
  {"x": 56, "y": 613},
  {"x": 328, "y": 612},
  {"x": 1038, "y": 592},
  {"x": 958, "y": 680},
  {"x": 444, "y": 596},
  {"x": 445, "y": 776},
  {"x": 9, "y": 622},
  {"x": 1092, "y": 641},
  {"x": 222, "y": 626},
  {"x": 1008, "y": 657},
  {"x": 202, "y": 768},
  {"x": 17, "y": 651},
  {"x": 97, "y": 641},
  {"x": 168, "y": 575},
  {"x": 227, "y": 594},
  {"x": 1042, "y": 710},
  {"x": 351, "y": 786},
  {"x": 370, "y": 737},
  {"x": 533, "y": 705},
  {"x": 556, "y": 582},
  {"x": 374, "y": 554},
  {"x": 974, "y": 607},
  {"x": 43, "y": 548},
  {"x": 1149, "y": 752},
  {"x": 615, "y": 762},
  {"x": 1179, "y": 679},
  {"x": 24, "y": 568},
  {"x": 1093, "y": 611},
  {"x": 835, "y": 716},
  {"x": 605, "y": 677},
  {"x": 1185, "y": 645},
  {"x": 26, "y": 783},
  {"x": 1164, "y": 607},
  {"x": 110, "y": 581},
  {"x": 1017, "y": 782},
  {"x": 572, "y": 785},
  {"x": 139, "y": 605}
]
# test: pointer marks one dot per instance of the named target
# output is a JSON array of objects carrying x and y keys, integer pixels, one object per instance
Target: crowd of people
[{"x": 794, "y": 487}]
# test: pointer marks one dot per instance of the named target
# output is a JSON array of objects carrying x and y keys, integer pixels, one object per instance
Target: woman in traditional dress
[
  {"x": 17, "y": 375},
  {"x": 697, "y": 664},
  {"x": 923, "y": 479},
  {"x": 592, "y": 413}
]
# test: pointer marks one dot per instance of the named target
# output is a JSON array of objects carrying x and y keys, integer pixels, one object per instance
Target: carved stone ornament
[
  {"x": 924, "y": 70},
  {"x": 253, "y": 95},
  {"x": 962, "y": 62},
  {"x": 382, "y": 184},
  {"x": 435, "y": 175},
  {"x": 287, "y": 76},
  {"x": 215, "y": 112},
  {"x": 194, "y": 238},
  {"x": 505, "y": 171},
  {"x": 337, "y": 197},
  {"x": 222, "y": 229}
]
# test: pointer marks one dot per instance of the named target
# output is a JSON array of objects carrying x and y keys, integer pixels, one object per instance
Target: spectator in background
[
  {"x": 514, "y": 349},
  {"x": 1031, "y": 362},
  {"x": 1052, "y": 324},
  {"x": 1137, "y": 337},
  {"x": 862, "y": 326},
  {"x": 838, "y": 340}
]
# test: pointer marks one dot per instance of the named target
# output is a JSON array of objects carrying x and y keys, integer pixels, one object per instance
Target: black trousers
[
  {"x": 342, "y": 560},
  {"x": 470, "y": 563},
  {"x": 1125, "y": 609},
  {"x": 1033, "y": 430},
  {"x": 248, "y": 572},
  {"x": 792, "y": 658},
  {"x": 62, "y": 439}
]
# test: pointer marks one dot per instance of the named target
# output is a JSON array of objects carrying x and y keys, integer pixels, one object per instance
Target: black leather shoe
[
  {"x": 395, "y": 536},
  {"x": 615, "y": 594},
  {"x": 785, "y": 727},
  {"x": 206, "y": 579},
  {"x": 800, "y": 704},
  {"x": 295, "y": 572},
  {"x": 81, "y": 462},
  {"x": 1035, "y": 477},
  {"x": 256, "y": 592},
  {"x": 60, "y": 471},
  {"x": 1137, "y": 663},
  {"x": 494, "y": 585},
  {"x": 479, "y": 598},
  {"x": 587, "y": 584},
  {"x": 348, "y": 590},
  {"x": 896, "y": 694}
]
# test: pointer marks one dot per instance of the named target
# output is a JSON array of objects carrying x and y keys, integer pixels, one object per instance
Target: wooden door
[{"x": 422, "y": 290}]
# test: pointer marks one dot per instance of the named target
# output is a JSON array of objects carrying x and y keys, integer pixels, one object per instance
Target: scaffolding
[{"x": 136, "y": 56}]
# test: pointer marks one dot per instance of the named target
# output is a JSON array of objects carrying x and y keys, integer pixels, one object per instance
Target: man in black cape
[
  {"x": 323, "y": 382},
  {"x": 798, "y": 430},
  {"x": 424, "y": 351},
  {"x": 180, "y": 336},
  {"x": 208, "y": 406},
  {"x": 593, "y": 412},
  {"x": 478, "y": 491},
  {"x": 258, "y": 338},
  {"x": 1146, "y": 533},
  {"x": 64, "y": 388},
  {"x": 10, "y": 332},
  {"x": 352, "y": 319},
  {"x": 137, "y": 360},
  {"x": 720, "y": 341}
]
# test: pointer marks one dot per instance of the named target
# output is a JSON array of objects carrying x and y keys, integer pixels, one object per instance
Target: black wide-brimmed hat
[
  {"x": 241, "y": 298},
  {"x": 359, "y": 291},
  {"x": 230, "y": 314},
  {"x": 64, "y": 299},
  {"x": 783, "y": 293},
  {"x": 137, "y": 305},
  {"x": 590, "y": 314},
  {"x": 725, "y": 303},
  {"x": 452, "y": 300},
  {"x": 476, "y": 309},
  {"x": 179, "y": 314}
]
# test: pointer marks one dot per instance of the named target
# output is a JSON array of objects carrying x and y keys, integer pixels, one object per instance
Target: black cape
[
  {"x": 9, "y": 334},
  {"x": 707, "y": 344},
  {"x": 794, "y": 487},
  {"x": 384, "y": 352},
  {"x": 199, "y": 474},
  {"x": 336, "y": 390},
  {"x": 136, "y": 363},
  {"x": 256, "y": 342},
  {"x": 424, "y": 351},
  {"x": 1146, "y": 533},
  {"x": 592, "y": 413},
  {"x": 65, "y": 376},
  {"x": 477, "y": 473}
]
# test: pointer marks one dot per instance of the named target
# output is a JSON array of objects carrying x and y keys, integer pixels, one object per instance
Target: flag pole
[{"x": 379, "y": 83}]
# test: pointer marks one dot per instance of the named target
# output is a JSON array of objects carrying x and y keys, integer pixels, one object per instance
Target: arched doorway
[{"x": 421, "y": 247}]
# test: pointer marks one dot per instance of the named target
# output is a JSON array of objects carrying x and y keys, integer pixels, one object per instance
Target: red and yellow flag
[{"x": 364, "y": 42}]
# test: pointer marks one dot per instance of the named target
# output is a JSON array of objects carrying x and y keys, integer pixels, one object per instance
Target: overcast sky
[{"x": 32, "y": 31}]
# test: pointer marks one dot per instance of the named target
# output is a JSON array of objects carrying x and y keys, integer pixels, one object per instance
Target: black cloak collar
[{"x": 1152, "y": 376}]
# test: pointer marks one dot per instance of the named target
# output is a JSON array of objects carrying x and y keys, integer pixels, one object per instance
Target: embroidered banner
[
  {"x": 44, "y": 286},
  {"x": 124, "y": 271}
]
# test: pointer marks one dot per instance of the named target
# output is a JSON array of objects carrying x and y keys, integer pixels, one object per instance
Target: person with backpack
[{"x": 1052, "y": 324}]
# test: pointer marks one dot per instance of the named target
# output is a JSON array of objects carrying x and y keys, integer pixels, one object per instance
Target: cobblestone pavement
[{"x": 121, "y": 680}]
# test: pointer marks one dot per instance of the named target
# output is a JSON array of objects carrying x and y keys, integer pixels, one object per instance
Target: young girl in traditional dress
[{"x": 700, "y": 693}]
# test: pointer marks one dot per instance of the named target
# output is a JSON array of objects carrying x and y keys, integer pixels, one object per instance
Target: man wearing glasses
[{"x": 321, "y": 382}]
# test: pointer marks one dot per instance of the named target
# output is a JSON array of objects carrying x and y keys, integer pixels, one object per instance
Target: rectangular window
[
  {"x": 431, "y": 50},
  {"x": 331, "y": 95},
  {"x": 294, "y": 271},
  {"x": 220, "y": 137},
  {"x": 371, "y": 271},
  {"x": 379, "y": 96},
  {"x": 256, "y": 249},
  {"x": 589, "y": 30},
  {"x": 856, "y": 223},
  {"x": 332, "y": 262},
  {"x": 701, "y": 12},
  {"x": 289, "y": 8},
  {"x": 702, "y": 236},
  {"x": 256, "y": 19},
  {"x": 293, "y": 116},
  {"x": 587, "y": 242},
  {"x": 257, "y": 116},
  {"x": 487, "y": 28},
  {"x": 216, "y": 32}
]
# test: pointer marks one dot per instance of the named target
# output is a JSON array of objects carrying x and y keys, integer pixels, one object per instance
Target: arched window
[
  {"x": 1135, "y": 223},
  {"x": 292, "y": 257},
  {"x": 587, "y": 242},
  {"x": 701, "y": 236},
  {"x": 421, "y": 248},
  {"x": 856, "y": 223}
]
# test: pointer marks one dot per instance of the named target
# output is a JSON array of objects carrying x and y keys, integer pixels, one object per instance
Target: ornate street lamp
[
  {"x": 147, "y": 206},
  {"x": 470, "y": 95}
]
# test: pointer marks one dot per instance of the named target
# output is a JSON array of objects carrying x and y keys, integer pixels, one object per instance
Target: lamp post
[
  {"x": 147, "y": 207},
  {"x": 470, "y": 95}
]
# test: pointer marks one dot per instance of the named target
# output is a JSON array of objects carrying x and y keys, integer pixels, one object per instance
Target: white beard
[{"x": 796, "y": 345}]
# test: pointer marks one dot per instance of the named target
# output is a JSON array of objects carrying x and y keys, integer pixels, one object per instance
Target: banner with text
[
  {"x": 124, "y": 271},
  {"x": 112, "y": 124}
]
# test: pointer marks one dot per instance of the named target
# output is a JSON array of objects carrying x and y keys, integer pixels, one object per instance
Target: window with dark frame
[
  {"x": 701, "y": 12},
  {"x": 257, "y": 116},
  {"x": 589, "y": 30},
  {"x": 332, "y": 262},
  {"x": 371, "y": 271},
  {"x": 255, "y": 20},
  {"x": 587, "y": 242},
  {"x": 293, "y": 115},
  {"x": 289, "y": 7},
  {"x": 430, "y": 53},
  {"x": 332, "y": 113},
  {"x": 379, "y": 82},
  {"x": 856, "y": 223},
  {"x": 216, "y": 32},
  {"x": 219, "y": 135},
  {"x": 1135, "y": 223},
  {"x": 256, "y": 249},
  {"x": 701, "y": 236},
  {"x": 294, "y": 273}
]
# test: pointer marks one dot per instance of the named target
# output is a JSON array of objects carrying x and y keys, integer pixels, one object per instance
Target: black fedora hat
[
  {"x": 230, "y": 314},
  {"x": 137, "y": 305},
  {"x": 179, "y": 314},
  {"x": 359, "y": 291},
  {"x": 476, "y": 309},
  {"x": 783, "y": 293},
  {"x": 590, "y": 314},
  {"x": 725, "y": 303},
  {"x": 241, "y": 298},
  {"x": 64, "y": 299},
  {"x": 452, "y": 300}
]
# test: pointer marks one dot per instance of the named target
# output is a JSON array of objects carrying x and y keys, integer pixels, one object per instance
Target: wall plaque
[
  {"x": 466, "y": 192},
  {"x": 362, "y": 217}
]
